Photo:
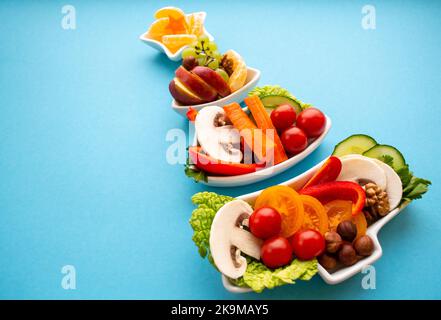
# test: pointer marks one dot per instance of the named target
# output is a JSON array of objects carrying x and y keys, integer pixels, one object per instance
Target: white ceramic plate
[
  {"x": 344, "y": 273},
  {"x": 253, "y": 76},
  {"x": 159, "y": 46},
  {"x": 244, "y": 179}
]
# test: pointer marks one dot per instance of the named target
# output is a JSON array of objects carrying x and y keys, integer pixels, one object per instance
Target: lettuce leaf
[
  {"x": 413, "y": 187},
  {"x": 257, "y": 276},
  {"x": 208, "y": 203}
]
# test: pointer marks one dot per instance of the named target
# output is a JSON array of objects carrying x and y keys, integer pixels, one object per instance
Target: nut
[
  {"x": 347, "y": 230},
  {"x": 333, "y": 241},
  {"x": 347, "y": 255},
  {"x": 364, "y": 246},
  {"x": 327, "y": 261}
]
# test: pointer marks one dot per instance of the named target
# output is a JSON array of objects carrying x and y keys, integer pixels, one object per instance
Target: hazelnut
[
  {"x": 333, "y": 241},
  {"x": 327, "y": 261},
  {"x": 347, "y": 255},
  {"x": 364, "y": 246},
  {"x": 347, "y": 230}
]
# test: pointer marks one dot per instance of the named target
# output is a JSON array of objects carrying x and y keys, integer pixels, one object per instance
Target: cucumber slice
[
  {"x": 382, "y": 150},
  {"x": 355, "y": 144},
  {"x": 273, "y": 101}
]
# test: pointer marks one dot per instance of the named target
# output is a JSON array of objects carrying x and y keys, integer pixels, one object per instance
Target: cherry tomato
[
  {"x": 288, "y": 204},
  {"x": 276, "y": 252},
  {"x": 283, "y": 117},
  {"x": 294, "y": 140},
  {"x": 265, "y": 223},
  {"x": 307, "y": 244},
  {"x": 312, "y": 121}
]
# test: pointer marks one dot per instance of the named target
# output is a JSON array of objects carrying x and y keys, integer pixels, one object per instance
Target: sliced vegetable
[
  {"x": 327, "y": 173},
  {"x": 263, "y": 122},
  {"x": 288, "y": 203},
  {"x": 208, "y": 164},
  {"x": 228, "y": 239},
  {"x": 315, "y": 215},
  {"x": 361, "y": 224},
  {"x": 338, "y": 211},
  {"x": 191, "y": 114},
  {"x": 361, "y": 169},
  {"x": 273, "y": 96},
  {"x": 355, "y": 144},
  {"x": 253, "y": 137},
  {"x": 383, "y": 151},
  {"x": 273, "y": 101},
  {"x": 338, "y": 190}
]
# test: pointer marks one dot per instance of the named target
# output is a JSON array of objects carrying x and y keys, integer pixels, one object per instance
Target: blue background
[{"x": 84, "y": 115}]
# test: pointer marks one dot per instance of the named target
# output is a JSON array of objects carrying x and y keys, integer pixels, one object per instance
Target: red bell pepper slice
[
  {"x": 191, "y": 114},
  {"x": 338, "y": 190},
  {"x": 328, "y": 172},
  {"x": 208, "y": 164}
]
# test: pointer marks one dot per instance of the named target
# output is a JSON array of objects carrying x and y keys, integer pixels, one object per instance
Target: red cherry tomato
[
  {"x": 265, "y": 223},
  {"x": 312, "y": 121},
  {"x": 283, "y": 117},
  {"x": 294, "y": 140},
  {"x": 307, "y": 244},
  {"x": 276, "y": 252}
]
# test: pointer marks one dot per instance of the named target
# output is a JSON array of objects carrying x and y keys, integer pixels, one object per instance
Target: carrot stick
[
  {"x": 264, "y": 122},
  {"x": 252, "y": 136}
]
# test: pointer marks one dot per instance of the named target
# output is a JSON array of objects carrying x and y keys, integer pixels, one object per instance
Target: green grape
[
  {"x": 212, "y": 46},
  {"x": 213, "y": 64},
  {"x": 223, "y": 74},
  {"x": 202, "y": 59},
  {"x": 217, "y": 55},
  {"x": 188, "y": 52},
  {"x": 203, "y": 38}
]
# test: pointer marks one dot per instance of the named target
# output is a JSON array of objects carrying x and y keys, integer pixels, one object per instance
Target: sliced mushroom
[
  {"x": 217, "y": 138},
  {"x": 228, "y": 239},
  {"x": 394, "y": 188},
  {"x": 362, "y": 170}
]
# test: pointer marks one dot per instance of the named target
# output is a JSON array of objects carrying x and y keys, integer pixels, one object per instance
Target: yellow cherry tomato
[{"x": 315, "y": 215}]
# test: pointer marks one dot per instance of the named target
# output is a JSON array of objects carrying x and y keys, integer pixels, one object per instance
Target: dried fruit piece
[{"x": 239, "y": 75}]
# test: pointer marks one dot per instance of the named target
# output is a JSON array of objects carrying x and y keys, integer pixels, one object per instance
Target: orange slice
[
  {"x": 158, "y": 29},
  {"x": 361, "y": 223},
  {"x": 196, "y": 23},
  {"x": 239, "y": 75},
  {"x": 170, "y": 12},
  {"x": 177, "y": 41},
  {"x": 178, "y": 23}
]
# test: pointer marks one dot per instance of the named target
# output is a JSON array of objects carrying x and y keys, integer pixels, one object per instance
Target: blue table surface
[{"x": 84, "y": 114}]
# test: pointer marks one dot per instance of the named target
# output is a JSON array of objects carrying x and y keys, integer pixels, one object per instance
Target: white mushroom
[
  {"x": 217, "y": 138},
  {"x": 362, "y": 169},
  {"x": 394, "y": 188},
  {"x": 228, "y": 239}
]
